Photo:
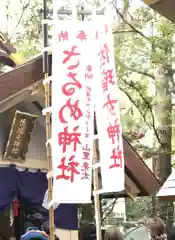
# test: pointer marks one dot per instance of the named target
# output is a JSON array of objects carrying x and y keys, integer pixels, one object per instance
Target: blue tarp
[{"x": 30, "y": 188}]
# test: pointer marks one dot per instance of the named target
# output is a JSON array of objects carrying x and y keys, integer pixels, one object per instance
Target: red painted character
[
  {"x": 86, "y": 135},
  {"x": 85, "y": 171},
  {"x": 113, "y": 132},
  {"x": 64, "y": 36},
  {"x": 96, "y": 35},
  {"x": 89, "y": 74},
  {"x": 72, "y": 67},
  {"x": 88, "y": 93},
  {"x": 110, "y": 104},
  {"x": 117, "y": 158},
  {"x": 86, "y": 152},
  {"x": 88, "y": 114},
  {"x": 70, "y": 54},
  {"x": 65, "y": 138},
  {"x": 69, "y": 88},
  {"x": 82, "y": 35},
  {"x": 108, "y": 79},
  {"x": 106, "y": 28},
  {"x": 74, "y": 110},
  {"x": 70, "y": 169},
  {"x": 104, "y": 54},
  {"x": 87, "y": 130}
]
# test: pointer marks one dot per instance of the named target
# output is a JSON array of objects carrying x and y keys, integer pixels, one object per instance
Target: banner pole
[
  {"x": 48, "y": 119},
  {"x": 96, "y": 195}
]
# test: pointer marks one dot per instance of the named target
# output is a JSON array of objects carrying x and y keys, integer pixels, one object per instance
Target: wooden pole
[
  {"x": 96, "y": 196},
  {"x": 48, "y": 121}
]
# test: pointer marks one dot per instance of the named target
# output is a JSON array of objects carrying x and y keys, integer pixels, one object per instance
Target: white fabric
[{"x": 78, "y": 188}]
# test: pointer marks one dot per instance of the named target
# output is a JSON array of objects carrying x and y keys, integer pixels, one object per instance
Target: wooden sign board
[{"x": 19, "y": 136}]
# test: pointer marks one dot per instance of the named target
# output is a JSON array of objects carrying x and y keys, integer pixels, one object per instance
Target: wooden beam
[
  {"x": 138, "y": 171},
  {"x": 15, "y": 99},
  {"x": 28, "y": 163},
  {"x": 21, "y": 78}
]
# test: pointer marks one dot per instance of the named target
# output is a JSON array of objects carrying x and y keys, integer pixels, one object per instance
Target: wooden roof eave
[
  {"x": 164, "y": 7},
  {"x": 20, "y": 78},
  {"x": 138, "y": 171}
]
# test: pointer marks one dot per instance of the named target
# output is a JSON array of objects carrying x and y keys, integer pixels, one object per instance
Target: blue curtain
[
  {"x": 30, "y": 189},
  {"x": 8, "y": 187}
]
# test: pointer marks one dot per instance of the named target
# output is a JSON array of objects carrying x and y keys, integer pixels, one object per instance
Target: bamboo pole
[
  {"x": 49, "y": 158},
  {"x": 96, "y": 196},
  {"x": 48, "y": 121}
]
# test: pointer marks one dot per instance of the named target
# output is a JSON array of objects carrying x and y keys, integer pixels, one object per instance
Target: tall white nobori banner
[
  {"x": 72, "y": 112},
  {"x": 108, "y": 114}
]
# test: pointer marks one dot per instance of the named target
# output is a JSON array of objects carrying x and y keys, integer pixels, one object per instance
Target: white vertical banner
[
  {"x": 108, "y": 114},
  {"x": 72, "y": 111}
]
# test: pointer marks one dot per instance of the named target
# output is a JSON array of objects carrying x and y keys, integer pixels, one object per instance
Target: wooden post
[
  {"x": 49, "y": 158},
  {"x": 48, "y": 120},
  {"x": 96, "y": 196}
]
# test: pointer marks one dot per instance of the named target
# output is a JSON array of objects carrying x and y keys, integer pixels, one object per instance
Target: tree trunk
[{"x": 163, "y": 119}]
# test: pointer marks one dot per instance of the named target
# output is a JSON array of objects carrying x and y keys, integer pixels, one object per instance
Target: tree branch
[
  {"x": 136, "y": 105},
  {"x": 112, "y": 205},
  {"x": 129, "y": 24},
  {"x": 24, "y": 8},
  {"x": 147, "y": 152},
  {"x": 144, "y": 72},
  {"x": 123, "y": 31},
  {"x": 131, "y": 84}
]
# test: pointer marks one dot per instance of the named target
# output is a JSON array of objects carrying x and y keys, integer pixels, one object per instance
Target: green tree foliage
[
  {"x": 22, "y": 25},
  {"x": 140, "y": 49},
  {"x": 144, "y": 42},
  {"x": 139, "y": 208}
]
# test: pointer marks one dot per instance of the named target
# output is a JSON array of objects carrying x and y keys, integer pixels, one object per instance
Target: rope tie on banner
[
  {"x": 47, "y": 110},
  {"x": 46, "y": 49},
  {"x": 47, "y": 80},
  {"x": 97, "y": 165},
  {"x": 49, "y": 141},
  {"x": 49, "y": 174},
  {"x": 46, "y": 21},
  {"x": 51, "y": 203},
  {"x": 95, "y": 137},
  {"x": 98, "y": 192}
]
